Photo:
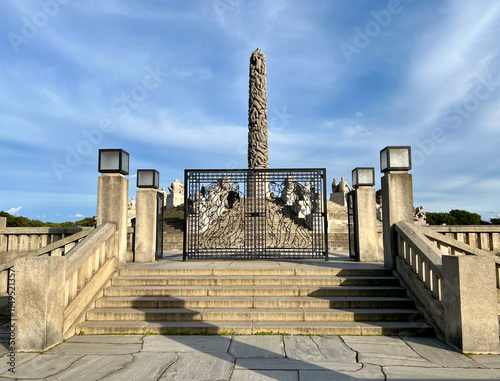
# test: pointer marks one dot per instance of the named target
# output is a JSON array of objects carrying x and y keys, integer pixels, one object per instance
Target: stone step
[
  {"x": 253, "y": 314},
  {"x": 262, "y": 271},
  {"x": 255, "y": 281},
  {"x": 253, "y": 302},
  {"x": 182, "y": 291},
  {"x": 248, "y": 328}
]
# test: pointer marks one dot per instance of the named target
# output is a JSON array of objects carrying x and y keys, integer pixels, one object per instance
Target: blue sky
[{"x": 168, "y": 82}]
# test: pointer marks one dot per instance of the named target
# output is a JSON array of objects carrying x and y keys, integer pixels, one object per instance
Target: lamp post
[
  {"x": 112, "y": 196},
  {"x": 397, "y": 195},
  {"x": 148, "y": 207},
  {"x": 365, "y": 219}
]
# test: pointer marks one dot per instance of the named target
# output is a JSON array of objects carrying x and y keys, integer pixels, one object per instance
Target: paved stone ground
[{"x": 256, "y": 358}]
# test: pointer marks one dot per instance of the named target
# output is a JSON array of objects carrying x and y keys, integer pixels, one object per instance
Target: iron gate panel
[
  {"x": 159, "y": 225},
  {"x": 351, "y": 218},
  {"x": 255, "y": 214}
]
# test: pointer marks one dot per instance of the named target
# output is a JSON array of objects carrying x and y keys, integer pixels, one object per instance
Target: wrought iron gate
[
  {"x": 351, "y": 216},
  {"x": 255, "y": 214},
  {"x": 159, "y": 225}
]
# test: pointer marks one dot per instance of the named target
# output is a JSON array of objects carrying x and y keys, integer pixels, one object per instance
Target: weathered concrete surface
[
  {"x": 368, "y": 372},
  {"x": 39, "y": 308},
  {"x": 200, "y": 367},
  {"x": 145, "y": 225},
  {"x": 244, "y": 347},
  {"x": 470, "y": 303},
  {"x": 489, "y": 361},
  {"x": 144, "y": 367},
  {"x": 92, "y": 367},
  {"x": 196, "y": 358},
  {"x": 439, "y": 353},
  {"x": 408, "y": 373},
  {"x": 265, "y": 375},
  {"x": 318, "y": 348},
  {"x": 96, "y": 348},
  {"x": 177, "y": 344},
  {"x": 367, "y": 236}
]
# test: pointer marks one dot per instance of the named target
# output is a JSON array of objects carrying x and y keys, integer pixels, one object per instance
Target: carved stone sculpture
[
  {"x": 132, "y": 204},
  {"x": 335, "y": 186},
  {"x": 419, "y": 216},
  {"x": 343, "y": 186},
  {"x": 258, "y": 153},
  {"x": 176, "y": 187}
]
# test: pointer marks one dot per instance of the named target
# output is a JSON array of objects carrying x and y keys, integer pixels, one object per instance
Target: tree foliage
[
  {"x": 454, "y": 217},
  {"x": 13, "y": 221}
]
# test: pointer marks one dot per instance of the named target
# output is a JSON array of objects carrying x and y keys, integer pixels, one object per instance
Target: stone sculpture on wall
[
  {"x": 419, "y": 216},
  {"x": 258, "y": 153}
]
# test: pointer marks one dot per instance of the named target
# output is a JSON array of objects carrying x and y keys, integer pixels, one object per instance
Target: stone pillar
[
  {"x": 112, "y": 207},
  {"x": 469, "y": 296},
  {"x": 39, "y": 302},
  {"x": 366, "y": 224},
  {"x": 397, "y": 206},
  {"x": 145, "y": 225},
  {"x": 3, "y": 222}
]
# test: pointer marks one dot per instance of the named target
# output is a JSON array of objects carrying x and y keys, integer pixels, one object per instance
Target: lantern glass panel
[
  {"x": 383, "y": 160},
  {"x": 399, "y": 158},
  {"x": 145, "y": 178},
  {"x": 125, "y": 162},
  {"x": 110, "y": 160},
  {"x": 365, "y": 176}
]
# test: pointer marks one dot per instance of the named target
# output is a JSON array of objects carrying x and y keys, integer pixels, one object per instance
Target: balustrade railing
[
  {"x": 89, "y": 266},
  {"x": 485, "y": 237}
]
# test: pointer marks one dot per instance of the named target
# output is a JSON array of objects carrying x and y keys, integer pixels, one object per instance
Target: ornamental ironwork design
[{"x": 255, "y": 214}]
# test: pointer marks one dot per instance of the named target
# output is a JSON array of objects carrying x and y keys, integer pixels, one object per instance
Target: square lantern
[
  {"x": 113, "y": 161},
  {"x": 148, "y": 178},
  {"x": 395, "y": 158},
  {"x": 363, "y": 176}
]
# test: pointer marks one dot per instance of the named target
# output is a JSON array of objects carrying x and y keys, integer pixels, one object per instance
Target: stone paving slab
[
  {"x": 368, "y": 372},
  {"x": 257, "y": 347},
  {"x": 200, "y": 367},
  {"x": 43, "y": 366},
  {"x": 439, "y": 353},
  {"x": 92, "y": 368},
  {"x": 408, "y": 373},
  {"x": 95, "y": 348},
  {"x": 287, "y": 364},
  {"x": 318, "y": 348},
  {"x": 205, "y": 344},
  {"x": 20, "y": 359},
  {"x": 489, "y": 361},
  {"x": 146, "y": 366},
  {"x": 264, "y": 375}
]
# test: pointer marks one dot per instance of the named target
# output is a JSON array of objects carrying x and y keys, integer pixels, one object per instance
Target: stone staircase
[
  {"x": 338, "y": 237},
  {"x": 252, "y": 300},
  {"x": 173, "y": 228}
]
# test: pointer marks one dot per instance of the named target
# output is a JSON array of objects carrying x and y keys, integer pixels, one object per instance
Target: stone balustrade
[
  {"x": 88, "y": 267},
  {"x": 25, "y": 239},
  {"x": 456, "y": 284},
  {"x": 130, "y": 244},
  {"x": 449, "y": 245},
  {"x": 63, "y": 240},
  {"x": 485, "y": 237},
  {"x": 54, "y": 292}
]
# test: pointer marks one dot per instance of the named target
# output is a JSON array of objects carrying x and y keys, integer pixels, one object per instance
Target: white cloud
[
  {"x": 78, "y": 215},
  {"x": 14, "y": 211}
]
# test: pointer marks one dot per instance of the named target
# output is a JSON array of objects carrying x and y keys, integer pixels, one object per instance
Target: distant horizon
[{"x": 168, "y": 82}]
